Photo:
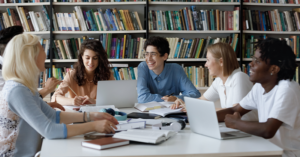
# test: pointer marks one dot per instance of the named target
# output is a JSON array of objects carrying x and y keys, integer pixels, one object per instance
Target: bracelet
[
  {"x": 88, "y": 116},
  {"x": 84, "y": 117}
]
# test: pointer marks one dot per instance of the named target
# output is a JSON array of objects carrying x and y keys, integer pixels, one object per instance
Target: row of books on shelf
[
  {"x": 196, "y": 48},
  {"x": 199, "y": 76},
  {"x": 293, "y": 41},
  {"x": 192, "y": 19},
  {"x": 271, "y": 20},
  {"x": 274, "y": 1},
  {"x": 246, "y": 69},
  {"x": 58, "y": 73},
  {"x": 23, "y": 1},
  {"x": 129, "y": 47},
  {"x": 195, "y": 0},
  {"x": 98, "y": 0},
  {"x": 100, "y": 20},
  {"x": 30, "y": 20}
]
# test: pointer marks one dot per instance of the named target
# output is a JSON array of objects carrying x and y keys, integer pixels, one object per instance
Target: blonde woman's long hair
[{"x": 20, "y": 57}]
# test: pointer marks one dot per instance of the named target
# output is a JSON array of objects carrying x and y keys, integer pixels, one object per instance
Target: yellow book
[
  {"x": 77, "y": 19},
  {"x": 124, "y": 20},
  {"x": 24, "y": 17},
  {"x": 201, "y": 44},
  {"x": 124, "y": 46},
  {"x": 53, "y": 71}
]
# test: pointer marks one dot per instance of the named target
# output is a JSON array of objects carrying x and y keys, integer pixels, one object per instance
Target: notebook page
[
  {"x": 140, "y": 136},
  {"x": 166, "y": 133},
  {"x": 165, "y": 111}
]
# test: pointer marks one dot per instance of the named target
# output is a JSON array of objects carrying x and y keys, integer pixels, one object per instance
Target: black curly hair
[
  {"x": 7, "y": 34},
  {"x": 277, "y": 52}
]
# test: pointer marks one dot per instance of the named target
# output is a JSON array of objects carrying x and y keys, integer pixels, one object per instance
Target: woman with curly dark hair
[{"x": 92, "y": 66}]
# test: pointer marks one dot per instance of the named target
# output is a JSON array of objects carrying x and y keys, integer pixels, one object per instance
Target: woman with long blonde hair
[{"x": 24, "y": 116}]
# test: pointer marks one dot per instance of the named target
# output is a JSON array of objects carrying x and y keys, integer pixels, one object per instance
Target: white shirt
[
  {"x": 281, "y": 103},
  {"x": 237, "y": 86},
  {"x": 2, "y": 81}
]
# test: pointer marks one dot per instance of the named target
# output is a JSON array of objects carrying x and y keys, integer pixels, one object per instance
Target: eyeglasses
[
  {"x": 149, "y": 54},
  {"x": 255, "y": 60}
]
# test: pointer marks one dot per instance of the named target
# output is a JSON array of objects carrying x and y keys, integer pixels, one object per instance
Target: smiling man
[{"x": 161, "y": 81}]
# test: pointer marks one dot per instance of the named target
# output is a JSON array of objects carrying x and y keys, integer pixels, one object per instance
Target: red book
[
  {"x": 230, "y": 20},
  {"x": 188, "y": 18},
  {"x": 271, "y": 20},
  {"x": 104, "y": 143}
]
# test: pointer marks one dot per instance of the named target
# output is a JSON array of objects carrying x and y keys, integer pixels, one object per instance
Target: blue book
[
  {"x": 87, "y": 21},
  {"x": 116, "y": 74},
  {"x": 91, "y": 21},
  {"x": 177, "y": 48},
  {"x": 194, "y": 15},
  {"x": 110, "y": 17},
  {"x": 186, "y": 19},
  {"x": 260, "y": 21},
  {"x": 105, "y": 26},
  {"x": 132, "y": 73},
  {"x": 188, "y": 48},
  {"x": 212, "y": 20},
  {"x": 118, "y": 49},
  {"x": 101, "y": 38},
  {"x": 127, "y": 47},
  {"x": 264, "y": 21},
  {"x": 104, "y": 41}
]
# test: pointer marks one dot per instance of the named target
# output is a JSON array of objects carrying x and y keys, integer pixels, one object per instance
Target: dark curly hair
[
  {"x": 102, "y": 72},
  {"x": 277, "y": 52},
  {"x": 7, "y": 34},
  {"x": 161, "y": 44}
]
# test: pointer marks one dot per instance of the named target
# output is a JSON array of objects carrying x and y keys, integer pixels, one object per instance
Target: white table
[{"x": 185, "y": 143}]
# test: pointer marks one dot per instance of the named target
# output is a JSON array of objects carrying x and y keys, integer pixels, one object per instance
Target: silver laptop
[
  {"x": 203, "y": 120},
  {"x": 119, "y": 93}
]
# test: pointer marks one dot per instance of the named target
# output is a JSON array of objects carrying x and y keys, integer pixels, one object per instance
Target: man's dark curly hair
[
  {"x": 161, "y": 44},
  {"x": 102, "y": 72},
  {"x": 277, "y": 52},
  {"x": 7, "y": 34}
]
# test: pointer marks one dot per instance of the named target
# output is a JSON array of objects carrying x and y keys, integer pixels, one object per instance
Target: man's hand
[
  {"x": 231, "y": 120},
  {"x": 169, "y": 98},
  {"x": 56, "y": 105}
]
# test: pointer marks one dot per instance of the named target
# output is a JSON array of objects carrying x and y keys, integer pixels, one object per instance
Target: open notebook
[
  {"x": 145, "y": 136},
  {"x": 152, "y": 105}
]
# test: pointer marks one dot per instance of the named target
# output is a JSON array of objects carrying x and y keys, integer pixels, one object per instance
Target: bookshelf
[{"x": 142, "y": 8}]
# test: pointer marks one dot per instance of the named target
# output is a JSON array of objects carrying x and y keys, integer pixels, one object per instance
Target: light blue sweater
[{"x": 36, "y": 119}]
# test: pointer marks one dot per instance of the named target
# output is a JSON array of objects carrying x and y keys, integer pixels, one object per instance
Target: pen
[{"x": 128, "y": 120}]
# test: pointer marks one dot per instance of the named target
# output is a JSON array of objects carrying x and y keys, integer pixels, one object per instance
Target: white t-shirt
[
  {"x": 237, "y": 86},
  {"x": 281, "y": 103}
]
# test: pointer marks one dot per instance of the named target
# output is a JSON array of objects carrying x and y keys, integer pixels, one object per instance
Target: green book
[
  {"x": 55, "y": 51},
  {"x": 198, "y": 49},
  {"x": 62, "y": 49},
  {"x": 282, "y": 21},
  {"x": 74, "y": 48},
  {"x": 131, "y": 49},
  {"x": 108, "y": 45},
  {"x": 94, "y": 18},
  {"x": 167, "y": 20}
]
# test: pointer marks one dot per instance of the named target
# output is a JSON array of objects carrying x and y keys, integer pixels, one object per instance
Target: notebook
[
  {"x": 145, "y": 136},
  {"x": 104, "y": 143},
  {"x": 152, "y": 105},
  {"x": 130, "y": 125},
  {"x": 165, "y": 111}
]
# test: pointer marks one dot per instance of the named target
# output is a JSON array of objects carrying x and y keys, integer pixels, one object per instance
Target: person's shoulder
[
  {"x": 288, "y": 86},
  {"x": 15, "y": 88},
  {"x": 143, "y": 65},
  {"x": 174, "y": 66},
  {"x": 240, "y": 75}
]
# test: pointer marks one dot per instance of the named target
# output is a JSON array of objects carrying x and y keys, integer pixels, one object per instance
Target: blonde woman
[
  {"x": 231, "y": 84},
  {"x": 24, "y": 116}
]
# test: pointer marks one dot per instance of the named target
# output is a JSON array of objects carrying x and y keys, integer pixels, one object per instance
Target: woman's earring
[{"x": 271, "y": 73}]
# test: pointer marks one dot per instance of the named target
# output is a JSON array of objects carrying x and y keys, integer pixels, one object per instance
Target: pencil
[{"x": 72, "y": 90}]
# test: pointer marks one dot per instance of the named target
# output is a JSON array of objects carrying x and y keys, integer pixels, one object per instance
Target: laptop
[
  {"x": 122, "y": 94},
  {"x": 203, "y": 120}
]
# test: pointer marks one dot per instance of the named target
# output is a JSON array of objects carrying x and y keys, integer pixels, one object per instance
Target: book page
[
  {"x": 167, "y": 133},
  {"x": 165, "y": 111},
  {"x": 148, "y": 106},
  {"x": 167, "y": 104}
]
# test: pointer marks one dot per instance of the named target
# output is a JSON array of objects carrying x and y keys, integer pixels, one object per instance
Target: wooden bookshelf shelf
[
  {"x": 138, "y": 60},
  {"x": 99, "y": 3},
  {"x": 23, "y": 4},
  {"x": 98, "y": 32},
  {"x": 184, "y": 31},
  {"x": 202, "y": 88},
  {"x": 194, "y": 3},
  {"x": 38, "y": 33},
  {"x": 270, "y": 32},
  {"x": 250, "y": 59},
  {"x": 47, "y": 61},
  {"x": 271, "y": 4}
]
